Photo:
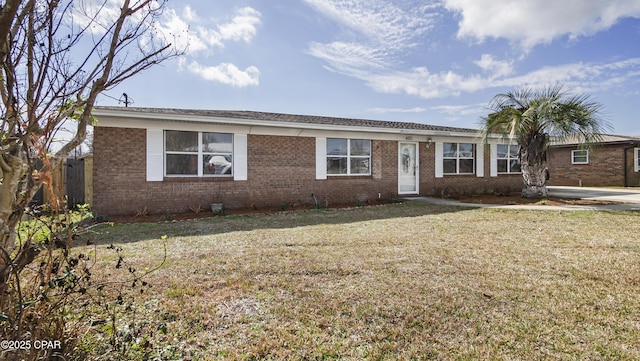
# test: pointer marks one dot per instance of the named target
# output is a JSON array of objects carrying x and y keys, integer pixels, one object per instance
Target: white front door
[{"x": 408, "y": 168}]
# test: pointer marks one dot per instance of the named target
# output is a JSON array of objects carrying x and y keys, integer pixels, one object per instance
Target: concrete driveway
[
  {"x": 626, "y": 195},
  {"x": 629, "y": 196}
]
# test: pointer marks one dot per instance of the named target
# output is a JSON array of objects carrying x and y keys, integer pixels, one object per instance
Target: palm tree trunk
[
  {"x": 534, "y": 177},
  {"x": 533, "y": 159}
]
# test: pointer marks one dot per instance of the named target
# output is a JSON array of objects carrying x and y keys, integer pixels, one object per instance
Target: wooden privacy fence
[{"x": 73, "y": 180}]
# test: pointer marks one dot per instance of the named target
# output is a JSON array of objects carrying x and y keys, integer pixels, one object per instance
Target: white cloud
[
  {"x": 95, "y": 14},
  {"x": 189, "y": 15},
  {"x": 349, "y": 58},
  {"x": 532, "y": 22},
  {"x": 580, "y": 76},
  {"x": 175, "y": 30},
  {"x": 453, "y": 113},
  {"x": 195, "y": 34},
  {"x": 584, "y": 77},
  {"x": 386, "y": 22},
  {"x": 424, "y": 84},
  {"x": 227, "y": 73},
  {"x": 242, "y": 27},
  {"x": 457, "y": 110},
  {"x": 200, "y": 37},
  {"x": 377, "y": 34},
  {"x": 377, "y": 31},
  {"x": 397, "y": 110},
  {"x": 495, "y": 67},
  {"x": 421, "y": 82},
  {"x": 186, "y": 30}
]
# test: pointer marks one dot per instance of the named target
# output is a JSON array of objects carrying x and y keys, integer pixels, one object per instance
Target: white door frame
[{"x": 403, "y": 167}]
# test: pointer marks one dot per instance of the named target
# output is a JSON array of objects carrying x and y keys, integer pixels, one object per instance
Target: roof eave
[{"x": 194, "y": 118}]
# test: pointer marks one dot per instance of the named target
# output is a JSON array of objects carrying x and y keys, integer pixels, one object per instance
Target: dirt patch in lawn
[
  {"x": 174, "y": 217},
  {"x": 518, "y": 200},
  {"x": 476, "y": 198}
]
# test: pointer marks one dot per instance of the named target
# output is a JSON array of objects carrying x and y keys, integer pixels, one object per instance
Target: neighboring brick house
[
  {"x": 170, "y": 160},
  {"x": 614, "y": 162}
]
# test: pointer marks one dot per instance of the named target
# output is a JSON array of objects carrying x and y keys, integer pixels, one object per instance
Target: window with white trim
[
  {"x": 198, "y": 154},
  {"x": 636, "y": 159},
  {"x": 458, "y": 158},
  {"x": 508, "y": 160},
  {"x": 348, "y": 156},
  {"x": 580, "y": 156}
]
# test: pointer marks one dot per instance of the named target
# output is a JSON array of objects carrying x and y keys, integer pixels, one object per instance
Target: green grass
[
  {"x": 38, "y": 229},
  {"x": 395, "y": 282}
]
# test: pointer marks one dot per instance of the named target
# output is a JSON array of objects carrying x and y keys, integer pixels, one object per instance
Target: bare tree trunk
[
  {"x": 11, "y": 172},
  {"x": 533, "y": 159}
]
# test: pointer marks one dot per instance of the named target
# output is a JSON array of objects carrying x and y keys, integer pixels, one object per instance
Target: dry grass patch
[{"x": 393, "y": 282}]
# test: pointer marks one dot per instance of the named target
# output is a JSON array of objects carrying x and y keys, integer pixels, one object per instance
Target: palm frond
[
  {"x": 580, "y": 117},
  {"x": 525, "y": 112}
]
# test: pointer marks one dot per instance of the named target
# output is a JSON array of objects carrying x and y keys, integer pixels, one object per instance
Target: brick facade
[
  {"x": 281, "y": 172},
  {"x": 609, "y": 165},
  {"x": 452, "y": 185}
]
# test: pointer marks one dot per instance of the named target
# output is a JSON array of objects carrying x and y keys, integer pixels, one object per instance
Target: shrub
[{"x": 48, "y": 283}]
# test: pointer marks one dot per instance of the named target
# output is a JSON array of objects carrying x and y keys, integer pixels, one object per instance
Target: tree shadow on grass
[{"x": 133, "y": 232}]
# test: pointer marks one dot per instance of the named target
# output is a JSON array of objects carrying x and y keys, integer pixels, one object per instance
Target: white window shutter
[
  {"x": 240, "y": 157},
  {"x": 479, "y": 159},
  {"x": 321, "y": 158},
  {"x": 155, "y": 155},
  {"x": 439, "y": 160},
  {"x": 493, "y": 151}
]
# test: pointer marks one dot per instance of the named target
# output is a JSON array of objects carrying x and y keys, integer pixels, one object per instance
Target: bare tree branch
[
  {"x": 56, "y": 57},
  {"x": 8, "y": 14}
]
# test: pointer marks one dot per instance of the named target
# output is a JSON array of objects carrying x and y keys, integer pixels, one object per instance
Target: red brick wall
[
  {"x": 606, "y": 167},
  {"x": 118, "y": 170},
  {"x": 281, "y": 173},
  {"x": 451, "y": 185}
]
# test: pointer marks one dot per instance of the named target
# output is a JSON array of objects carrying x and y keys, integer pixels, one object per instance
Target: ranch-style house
[{"x": 171, "y": 160}]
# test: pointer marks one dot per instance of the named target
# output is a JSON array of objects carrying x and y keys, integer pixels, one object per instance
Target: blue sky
[{"x": 434, "y": 62}]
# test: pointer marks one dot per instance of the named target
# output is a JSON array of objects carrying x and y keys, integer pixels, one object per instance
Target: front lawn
[{"x": 396, "y": 282}]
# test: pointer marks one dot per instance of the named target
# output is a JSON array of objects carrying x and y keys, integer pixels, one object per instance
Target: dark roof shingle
[{"x": 291, "y": 118}]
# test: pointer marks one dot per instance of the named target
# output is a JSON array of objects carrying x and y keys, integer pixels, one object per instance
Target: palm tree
[{"x": 533, "y": 117}]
